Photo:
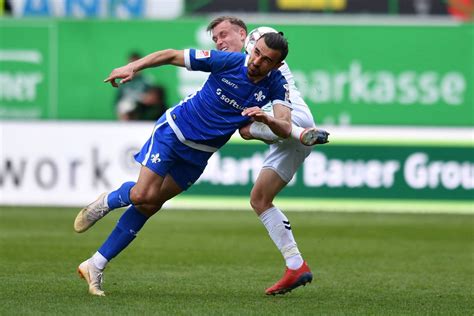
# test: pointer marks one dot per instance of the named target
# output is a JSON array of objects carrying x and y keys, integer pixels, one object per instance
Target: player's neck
[{"x": 255, "y": 79}]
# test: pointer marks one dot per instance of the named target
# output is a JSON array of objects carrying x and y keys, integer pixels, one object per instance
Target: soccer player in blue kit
[{"x": 186, "y": 136}]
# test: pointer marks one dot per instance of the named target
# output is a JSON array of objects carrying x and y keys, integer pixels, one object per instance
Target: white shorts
[{"x": 287, "y": 156}]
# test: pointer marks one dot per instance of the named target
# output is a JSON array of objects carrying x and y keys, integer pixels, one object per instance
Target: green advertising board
[
  {"x": 395, "y": 75},
  {"x": 351, "y": 171},
  {"x": 348, "y": 74},
  {"x": 344, "y": 176},
  {"x": 26, "y": 70}
]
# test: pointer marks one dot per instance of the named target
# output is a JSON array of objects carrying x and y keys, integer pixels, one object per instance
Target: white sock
[
  {"x": 296, "y": 131},
  {"x": 262, "y": 131},
  {"x": 105, "y": 200},
  {"x": 99, "y": 260},
  {"x": 294, "y": 262},
  {"x": 279, "y": 229}
]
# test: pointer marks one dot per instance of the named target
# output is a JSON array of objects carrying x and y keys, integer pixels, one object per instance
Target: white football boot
[
  {"x": 312, "y": 136},
  {"x": 90, "y": 214},
  {"x": 93, "y": 276}
]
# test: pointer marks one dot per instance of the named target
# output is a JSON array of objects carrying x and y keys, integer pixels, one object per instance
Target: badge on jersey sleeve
[
  {"x": 287, "y": 92},
  {"x": 201, "y": 54}
]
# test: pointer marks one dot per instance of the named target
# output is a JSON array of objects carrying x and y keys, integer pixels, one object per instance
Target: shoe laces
[
  {"x": 100, "y": 280},
  {"x": 97, "y": 213}
]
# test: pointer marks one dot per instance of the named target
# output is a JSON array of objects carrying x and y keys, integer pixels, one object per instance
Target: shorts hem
[{"x": 282, "y": 176}]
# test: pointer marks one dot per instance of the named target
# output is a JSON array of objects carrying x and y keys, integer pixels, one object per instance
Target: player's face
[
  {"x": 262, "y": 60},
  {"x": 228, "y": 37}
]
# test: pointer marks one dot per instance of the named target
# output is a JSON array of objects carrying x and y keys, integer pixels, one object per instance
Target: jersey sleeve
[
  {"x": 280, "y": 91},
  {"x": 211, "y": 60}
]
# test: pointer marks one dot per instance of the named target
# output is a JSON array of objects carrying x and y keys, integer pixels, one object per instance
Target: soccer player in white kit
[{"x": 284, "y": 158}]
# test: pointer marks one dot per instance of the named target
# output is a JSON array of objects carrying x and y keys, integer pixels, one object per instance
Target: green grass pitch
[{"x": 219, "y": 263}]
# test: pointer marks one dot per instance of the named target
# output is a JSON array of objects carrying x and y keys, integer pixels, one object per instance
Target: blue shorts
[{"x": 164, "y": 154}]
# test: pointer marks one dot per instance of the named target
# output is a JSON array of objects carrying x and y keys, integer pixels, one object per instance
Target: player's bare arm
[
  {"x": 280, "y": 123},
  {"x": 163, "y": 57}
]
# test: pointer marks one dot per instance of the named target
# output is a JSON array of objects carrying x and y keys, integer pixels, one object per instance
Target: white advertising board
[{"x": 66, "y": 163}]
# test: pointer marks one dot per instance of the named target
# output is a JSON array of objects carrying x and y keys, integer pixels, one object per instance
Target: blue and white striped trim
[
  {"x": 182, "y": 139},
  {"x": 147, "y": 156},
  {"x": 285, "y": 103},
  {"x": 187, "y": 59}
]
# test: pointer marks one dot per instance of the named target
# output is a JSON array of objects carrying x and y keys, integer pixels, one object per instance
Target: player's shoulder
[
  {"x": 209, "y": 53},
  {"x": 213, "y": 60},
  {"x": 277, "y": 76},
  {"x": 228, "y": 55},
  {"x": 227, "y": 60},
  {"x": 285, "y": 69}
]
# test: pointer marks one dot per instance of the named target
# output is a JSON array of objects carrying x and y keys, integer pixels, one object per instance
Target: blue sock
[
  {"x": 126, "y": 230},
  {"x": 121, "y": 196}
]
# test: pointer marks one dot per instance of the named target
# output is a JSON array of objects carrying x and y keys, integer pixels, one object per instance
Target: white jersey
[
  {"x": 300, "y": 115},
  {"x": 287, "y": 156}
]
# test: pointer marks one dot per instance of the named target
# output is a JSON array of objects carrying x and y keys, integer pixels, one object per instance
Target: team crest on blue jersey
[
  {"x": 200, "y": 54},
  {"x": 259, "y": 96},
  {"x": 155, "y": 158}
]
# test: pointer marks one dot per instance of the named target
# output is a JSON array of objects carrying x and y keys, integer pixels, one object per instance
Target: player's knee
[
  {"x": 137, "y": 196},
  {"x": 140, "y": 197},
  {"x": 255, "y": 205},
  {"x": 259, "y": 202},
  {"x": 147, "y": 201},
  {"x": 244, "y": 132}
]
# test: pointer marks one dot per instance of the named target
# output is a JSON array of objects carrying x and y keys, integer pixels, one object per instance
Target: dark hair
[
  {"x": 232, "y": 20},
  {"x": 278, "y": 42}
]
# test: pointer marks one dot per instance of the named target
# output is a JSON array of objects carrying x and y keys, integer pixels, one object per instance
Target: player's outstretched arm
[
  {"x": 159, "y": 58},
  {"x": 280, "y": 123}
]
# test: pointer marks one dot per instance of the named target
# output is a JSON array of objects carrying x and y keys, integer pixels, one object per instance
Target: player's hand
[
  {"x": 125, "y": 73},
  {"x": 256, "y": 113}
]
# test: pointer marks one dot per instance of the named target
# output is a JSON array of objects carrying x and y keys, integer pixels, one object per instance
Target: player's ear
[{"x": 243, "y": 34}]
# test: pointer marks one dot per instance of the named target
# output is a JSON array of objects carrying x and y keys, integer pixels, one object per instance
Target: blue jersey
[{"x": 207, "y": 119}]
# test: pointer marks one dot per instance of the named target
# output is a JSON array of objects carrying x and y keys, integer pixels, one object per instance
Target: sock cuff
[
  {"x": 268, "y": 212},
  {"x": 99, "y": 260},
  {"x": 106, "y": 200},
  {"x": 296, "y": 131},
  {"x": 120, "y": 197}
]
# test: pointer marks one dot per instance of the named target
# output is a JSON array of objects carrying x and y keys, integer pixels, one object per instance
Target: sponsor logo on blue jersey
[
  {"x": 230, "y": 83},
  {"x": 228, "y": 100}
]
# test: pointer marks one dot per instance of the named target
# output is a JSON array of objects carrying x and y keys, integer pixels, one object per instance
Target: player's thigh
[
  {"x": 286, "y": 158},
  {"x": 184, "y": 173},
  {"x": 147, "y": 188},
  {"x": 169, "y": 189},
  {"x": 301, "y": 116},
  {"x": 267, "y": 186}
]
